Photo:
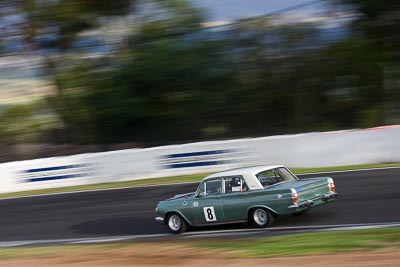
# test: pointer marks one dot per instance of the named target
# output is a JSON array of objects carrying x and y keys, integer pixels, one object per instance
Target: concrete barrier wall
[{"x": 338, "y": 148}]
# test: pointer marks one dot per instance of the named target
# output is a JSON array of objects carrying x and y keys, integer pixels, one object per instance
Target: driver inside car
[{"x": 237, "y": 185}]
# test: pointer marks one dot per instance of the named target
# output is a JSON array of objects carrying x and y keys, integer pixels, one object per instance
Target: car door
[
  {"x": 235, "y": 200},
  {"x": 207, "y": 208}
]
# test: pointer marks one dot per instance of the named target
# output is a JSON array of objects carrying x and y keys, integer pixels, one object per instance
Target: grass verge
[
  {"x": 280, "y": 246},
  {"x": 311, "y": 243},
  {"x": 175, "y": 179}
]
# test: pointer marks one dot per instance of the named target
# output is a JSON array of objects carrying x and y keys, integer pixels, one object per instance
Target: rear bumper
[{"x": 313, "y": 202}]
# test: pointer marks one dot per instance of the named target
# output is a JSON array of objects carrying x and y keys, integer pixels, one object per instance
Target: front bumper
[
  {"x": 159, "y": 219},
  {"x": 313, "y": 202}
]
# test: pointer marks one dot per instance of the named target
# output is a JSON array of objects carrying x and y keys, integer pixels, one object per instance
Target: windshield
[
  {"x": 210, "y": 187},
  {"x": 274, "y": 176}
]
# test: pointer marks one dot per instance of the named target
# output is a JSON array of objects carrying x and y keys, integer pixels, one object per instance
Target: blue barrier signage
[
  {"x": 56, "y": 173},
  {"x": 200, "y": 158}
]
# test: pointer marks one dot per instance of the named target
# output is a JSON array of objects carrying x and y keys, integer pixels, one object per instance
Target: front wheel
[
  {"x": 176, "y": 223},
  {"x": 260, "y": 217}
]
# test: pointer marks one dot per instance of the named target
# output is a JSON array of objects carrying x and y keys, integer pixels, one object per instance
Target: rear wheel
[
  {"x": 176, "y": 223},
  {"x": 261, "y": 217}
]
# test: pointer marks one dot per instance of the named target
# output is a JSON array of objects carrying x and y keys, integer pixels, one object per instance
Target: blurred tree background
[{"x": 169, "y": 79}]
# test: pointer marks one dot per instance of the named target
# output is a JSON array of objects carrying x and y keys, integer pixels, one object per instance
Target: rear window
[{"x": 274, "y": 176}]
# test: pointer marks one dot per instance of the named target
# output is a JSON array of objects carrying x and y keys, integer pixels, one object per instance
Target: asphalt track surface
[{"x": 371, "y": 196}]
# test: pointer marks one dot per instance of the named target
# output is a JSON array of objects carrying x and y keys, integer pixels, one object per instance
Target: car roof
[{"x": 244, "y": 170}]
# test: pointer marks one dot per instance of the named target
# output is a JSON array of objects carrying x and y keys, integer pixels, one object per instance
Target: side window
[
  {"x": 235, "y": 184},
  {"x": 210, "y": 187},
  {"x": 269, "y": 177}
]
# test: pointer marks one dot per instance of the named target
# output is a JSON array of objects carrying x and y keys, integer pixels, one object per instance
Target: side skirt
[{"x": 220, "y": 223}]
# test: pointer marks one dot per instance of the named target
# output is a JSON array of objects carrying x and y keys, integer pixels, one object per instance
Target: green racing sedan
[{"x": 254, "y": 195}]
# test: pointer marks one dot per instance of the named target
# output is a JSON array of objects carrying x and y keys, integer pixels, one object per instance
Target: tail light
[
  {"x": 295, "y": 196},
  {"x": 331, "y": 185}
]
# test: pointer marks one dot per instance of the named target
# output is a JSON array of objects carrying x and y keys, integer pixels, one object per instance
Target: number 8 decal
[{"x": 209, "y": 214}]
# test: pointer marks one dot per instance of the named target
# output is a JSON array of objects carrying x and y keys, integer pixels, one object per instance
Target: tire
[
  {"x": 175, "y": 223},
  {"x": 260, "y": 218}
]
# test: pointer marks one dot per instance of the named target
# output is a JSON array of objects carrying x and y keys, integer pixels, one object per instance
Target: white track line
[
  {"x": 155, "y": 185},
  {"x": 356, "y": 170},
  {"x": 97, "y": 190},
  {"x": 298, "y": 228},
  {"x": 194, "y": 235},
  {"x": 88, "y": 240}
]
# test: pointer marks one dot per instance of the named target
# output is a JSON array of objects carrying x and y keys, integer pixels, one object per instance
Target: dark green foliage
[{"x": 172, "y": 81}]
